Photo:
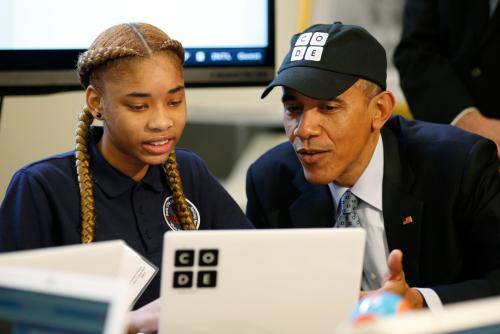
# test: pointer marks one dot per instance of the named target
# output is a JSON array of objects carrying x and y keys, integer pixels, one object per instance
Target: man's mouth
[
  {"x": 310, "y": 156},
  {"x": 310, "y": 151}
]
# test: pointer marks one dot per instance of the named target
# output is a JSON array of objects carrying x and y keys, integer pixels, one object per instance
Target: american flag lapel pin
[{"x": 407, "y": 220}]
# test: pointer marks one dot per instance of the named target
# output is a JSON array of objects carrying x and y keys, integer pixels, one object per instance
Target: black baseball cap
[{"x": 327, "y": 59}]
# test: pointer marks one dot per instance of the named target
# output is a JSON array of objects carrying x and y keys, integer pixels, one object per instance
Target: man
[
  {"x": 448, "y": 63},
  {"x": 431, "y": 191}
]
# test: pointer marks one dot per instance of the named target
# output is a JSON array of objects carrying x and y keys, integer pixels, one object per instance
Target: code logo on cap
[{"x": 309, "y": 46}]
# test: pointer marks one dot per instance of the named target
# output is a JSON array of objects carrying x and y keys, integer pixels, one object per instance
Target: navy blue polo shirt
[{"x": 42, "y": 205}]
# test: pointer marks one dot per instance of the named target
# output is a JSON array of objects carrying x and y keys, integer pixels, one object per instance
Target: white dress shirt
[{"x": 368, "y": 190}]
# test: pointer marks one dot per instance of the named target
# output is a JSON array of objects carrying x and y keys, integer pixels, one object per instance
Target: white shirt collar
[{"x": 368, "y": 188}]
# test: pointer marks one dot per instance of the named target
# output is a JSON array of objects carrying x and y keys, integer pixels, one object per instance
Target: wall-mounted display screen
[{"x": 227, "y": 42}]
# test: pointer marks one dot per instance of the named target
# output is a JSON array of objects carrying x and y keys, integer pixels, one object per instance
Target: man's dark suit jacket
[
  {"x": 448, "y": 58},
  {"x": 446, "y": 179}
]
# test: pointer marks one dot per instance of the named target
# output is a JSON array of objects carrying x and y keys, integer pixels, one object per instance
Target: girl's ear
[
  {"x": 383, "y": 105},
  {"x": 94, "y": 101}
]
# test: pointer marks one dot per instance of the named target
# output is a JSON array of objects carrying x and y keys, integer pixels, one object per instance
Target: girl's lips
[{"x": 158, "y": 147}]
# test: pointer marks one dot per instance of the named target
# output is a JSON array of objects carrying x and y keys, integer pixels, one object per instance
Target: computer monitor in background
[{"x": 228, "y": 43}]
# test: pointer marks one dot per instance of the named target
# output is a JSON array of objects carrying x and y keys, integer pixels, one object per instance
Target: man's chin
[{"x": 314, "y": 177}]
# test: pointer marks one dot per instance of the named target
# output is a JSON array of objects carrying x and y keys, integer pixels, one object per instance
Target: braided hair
[{"x": 123, "y": 42}]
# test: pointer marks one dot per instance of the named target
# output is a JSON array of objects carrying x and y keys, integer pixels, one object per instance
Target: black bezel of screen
[{"x": 24, "y": 72}]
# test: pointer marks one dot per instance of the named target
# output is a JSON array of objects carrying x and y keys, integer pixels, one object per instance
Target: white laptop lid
[
  {"x": 260, "y": 281},
  {"x": 112, "y": 259},
  {"x": 55, "y": 302},
  {"x": 480, "y": 316}
]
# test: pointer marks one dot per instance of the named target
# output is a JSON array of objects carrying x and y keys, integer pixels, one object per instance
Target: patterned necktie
[{"x": 346, "y": 212}]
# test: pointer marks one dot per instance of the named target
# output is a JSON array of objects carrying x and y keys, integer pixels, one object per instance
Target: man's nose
[{"x": 308, "y": 124}]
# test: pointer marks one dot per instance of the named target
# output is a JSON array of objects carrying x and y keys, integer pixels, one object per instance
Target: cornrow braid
[
  {"x": 136, "y": 29},
  {"x": 91, "y": 59},
  {"x": 174, "y": 182},
  {"x": 85, "y": 183},
  {"x": 175, "y": 46}
]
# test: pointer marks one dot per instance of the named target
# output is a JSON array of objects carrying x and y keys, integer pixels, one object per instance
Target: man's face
[{"x": 334, "y": 140}]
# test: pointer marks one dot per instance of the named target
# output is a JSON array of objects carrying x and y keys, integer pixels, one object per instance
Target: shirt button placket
[{"x": 140, "y": 212}]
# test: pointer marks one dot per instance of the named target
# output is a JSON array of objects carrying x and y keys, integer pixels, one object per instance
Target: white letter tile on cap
[
  {"x": 304, "y": 39},
  {"x": 319, "y": 38},
  {"x": 298, "y": 53},
  {"x": 314, "y": 53}
]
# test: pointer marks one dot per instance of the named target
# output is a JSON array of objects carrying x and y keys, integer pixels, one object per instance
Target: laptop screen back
[
  {"x": 480, "y": 316},
  {"x": 24, "y": 311},
  {"x": 43, "y": 302},
  {"x": 260, "y": 281}
]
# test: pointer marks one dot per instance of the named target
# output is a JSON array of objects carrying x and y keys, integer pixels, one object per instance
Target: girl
[{"x": 123, "y": 181}]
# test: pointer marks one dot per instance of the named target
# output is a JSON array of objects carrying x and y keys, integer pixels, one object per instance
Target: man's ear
[
  {"x": 382, "y": 106},
  {"x": 94, "y": 101}
]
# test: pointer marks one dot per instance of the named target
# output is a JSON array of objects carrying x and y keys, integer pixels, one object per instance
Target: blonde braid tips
[
  {"x": 85, "y": 183},
  {"x": 174, "y": 182}
]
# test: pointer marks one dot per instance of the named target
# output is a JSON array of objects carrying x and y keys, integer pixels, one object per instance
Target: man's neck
[{"x": 359, "y": 166}]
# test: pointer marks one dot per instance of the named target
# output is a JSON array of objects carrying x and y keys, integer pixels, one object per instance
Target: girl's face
[{"x": 143, "y": 107}]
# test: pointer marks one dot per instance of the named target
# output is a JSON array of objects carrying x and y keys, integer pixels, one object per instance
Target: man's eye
[
  {"x": 328, "y": 108},
  {"x": 292, "y": 109},
  {"x": 174, "y": 103}
]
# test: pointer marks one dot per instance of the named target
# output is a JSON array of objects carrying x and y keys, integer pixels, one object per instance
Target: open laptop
[
  {"x": 481, "y": 316},
  {"x": 55, "y": 302},
  {"x": 260, "y": 281},
  {"x": 113, "y": 259}
]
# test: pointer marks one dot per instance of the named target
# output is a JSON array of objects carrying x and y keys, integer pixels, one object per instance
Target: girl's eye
[{"x": 137, "y": 107}]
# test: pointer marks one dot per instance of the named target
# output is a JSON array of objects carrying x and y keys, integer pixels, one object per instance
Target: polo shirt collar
[{"x": 112, "y": 181}]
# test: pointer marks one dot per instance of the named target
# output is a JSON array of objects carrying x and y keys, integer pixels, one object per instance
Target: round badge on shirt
[{"x": 171, "y": 218}]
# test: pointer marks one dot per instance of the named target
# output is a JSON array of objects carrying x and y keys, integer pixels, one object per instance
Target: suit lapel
[
  {"x": 492, "y": 26},
  {"x": 402, "y": 212},
  {"x": 313, "y": 207},
  {"x": 477, "y": 16}
]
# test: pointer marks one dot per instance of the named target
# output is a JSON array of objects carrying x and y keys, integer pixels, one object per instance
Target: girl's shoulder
[
  {"x": 184, "y": 155},
  {"x": 192, "y": 168},
  {"x": 187, "y": 160},
  {"x": 56, "y": 166}
]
